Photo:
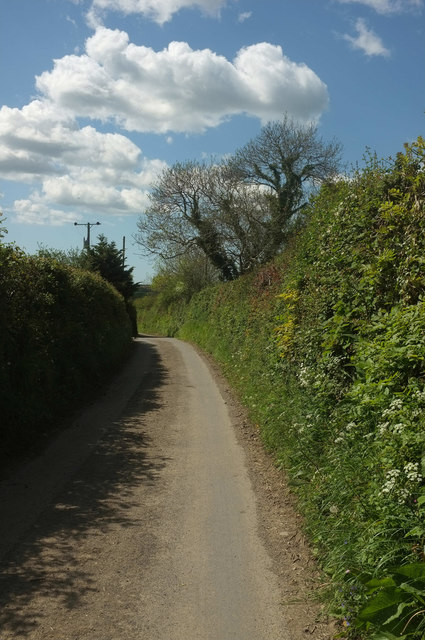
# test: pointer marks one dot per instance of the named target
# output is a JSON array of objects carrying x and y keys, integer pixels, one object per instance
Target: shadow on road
[{"x": 46, "y": 562}]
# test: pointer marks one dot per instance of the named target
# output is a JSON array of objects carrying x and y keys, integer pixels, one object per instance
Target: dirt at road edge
[{"x": 280, "y": 525}]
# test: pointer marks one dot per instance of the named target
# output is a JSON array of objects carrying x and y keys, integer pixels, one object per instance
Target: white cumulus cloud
[
  {"x": 77, "y": 168},
  {"x": 35, "y": 211},
  {"x": 367, "y": 41},
  {"x": 180, "y": 89},
  {"x": 135, "y": 88}
]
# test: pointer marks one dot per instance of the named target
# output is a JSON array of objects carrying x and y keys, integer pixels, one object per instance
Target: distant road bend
[{"x": 139, "y": 522}]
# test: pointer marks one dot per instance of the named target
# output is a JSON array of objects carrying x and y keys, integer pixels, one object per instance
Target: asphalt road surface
[{"x": 139, "y": 521}]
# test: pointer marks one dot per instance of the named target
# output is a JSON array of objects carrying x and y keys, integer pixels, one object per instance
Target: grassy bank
[{"x": 326, "y": 346}]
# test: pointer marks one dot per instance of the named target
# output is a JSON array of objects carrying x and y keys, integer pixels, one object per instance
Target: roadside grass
[{"x": 326, "y": 348}]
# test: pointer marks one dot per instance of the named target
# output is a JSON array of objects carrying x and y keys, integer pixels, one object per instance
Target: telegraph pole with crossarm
[{"x": 88, "y": 225}]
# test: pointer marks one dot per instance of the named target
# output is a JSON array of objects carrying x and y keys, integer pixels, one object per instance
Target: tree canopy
[
  {"x": 289, "y": 160},
  {"x": 3, "y": 230},
  {"x": 206, "y": 207},
  {"x": 239, "y": 211},
  {"x": 106, "y": 259},
  {"x": 103, "y": 257}
]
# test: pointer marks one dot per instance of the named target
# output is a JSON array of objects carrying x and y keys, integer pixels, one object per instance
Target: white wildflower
[
  {"x": 397, "y": 428},
  {"x": 382, "y": 427},
  {"x": 411, "y": 469},
  {"x": 393, "y": 473},
  {"x": 403, "y": 494},
  {"x": 303, "y": 376}
]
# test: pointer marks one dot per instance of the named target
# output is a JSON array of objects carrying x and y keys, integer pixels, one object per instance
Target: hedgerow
[
  {"x": 61, "y": 329},
  {"x": 355, "y": 354},
  {"x": 327, "y": 348}
]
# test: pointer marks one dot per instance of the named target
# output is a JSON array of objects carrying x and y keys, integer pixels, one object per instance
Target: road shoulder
[{"x": 280, "y": 524}]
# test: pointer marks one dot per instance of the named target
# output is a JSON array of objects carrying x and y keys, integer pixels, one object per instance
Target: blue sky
[{"x": 97, "y": 96}]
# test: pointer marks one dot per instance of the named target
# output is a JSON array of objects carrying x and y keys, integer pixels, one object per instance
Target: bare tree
[
  {"x": 238, "y": 212},
  {"x": 205, "y": 206},
  {"x": 288, "y": 159}
]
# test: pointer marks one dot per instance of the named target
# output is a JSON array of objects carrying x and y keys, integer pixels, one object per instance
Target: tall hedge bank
[
  {"x": 327, "y": 348},
  {"x": 61, "y": 329}
]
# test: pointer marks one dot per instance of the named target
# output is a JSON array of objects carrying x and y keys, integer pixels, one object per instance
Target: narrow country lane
[{"x": 140, "y": 521}]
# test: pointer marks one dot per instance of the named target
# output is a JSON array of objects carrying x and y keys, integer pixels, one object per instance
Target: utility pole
[
  {"x": 123, "y": 252},
  {"x": 88, "y": 225}
]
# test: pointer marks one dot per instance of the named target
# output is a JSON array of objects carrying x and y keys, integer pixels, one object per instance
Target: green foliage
[
  {"x": 3, "y": 230},
  {"x": 174, "y": 284},
  {"x": 158, "y": 313},
  {"x": 107, "y": 260},
  {"x": 397, "y": 608},
  {"x": 355, "y": 353},
  {"x": 241, "y": 211},
  {"x": 326, "y": 346},
  {"x": 61, "y": 330},
  {"x": 71, "y": 258}
]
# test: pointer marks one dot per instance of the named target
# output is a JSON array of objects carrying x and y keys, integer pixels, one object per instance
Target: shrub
[
  {"x": 60, "y": 330},
  {"x": 329, "y": 355}
]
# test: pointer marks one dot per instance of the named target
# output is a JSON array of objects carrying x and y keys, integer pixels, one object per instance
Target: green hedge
[
  {"x": 61, "y": 329},
  {"x": 327, "y": 349}
]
